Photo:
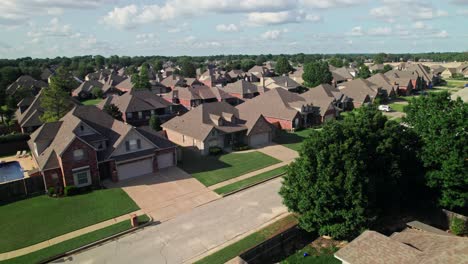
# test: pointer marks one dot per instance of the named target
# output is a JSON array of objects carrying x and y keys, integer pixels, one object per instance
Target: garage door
[
  {"x": 135, "y": 169},
  {"x": 260, "y": 139},
  {"x": 165, "y": 160}
]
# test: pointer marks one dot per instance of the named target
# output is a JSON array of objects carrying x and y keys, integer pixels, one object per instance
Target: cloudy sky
[{"x": 49, "y": 28}]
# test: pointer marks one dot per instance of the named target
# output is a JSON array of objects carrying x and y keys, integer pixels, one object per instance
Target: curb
[
  {"x": 251, "y": 185},
  {"x": 101, "y": 241}
]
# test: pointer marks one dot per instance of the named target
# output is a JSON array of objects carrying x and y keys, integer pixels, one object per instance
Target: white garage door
[
  {"x": 135, "y": 169},
  {"x": 260, "y": 139},
  {"x": 165, "y": 160}
]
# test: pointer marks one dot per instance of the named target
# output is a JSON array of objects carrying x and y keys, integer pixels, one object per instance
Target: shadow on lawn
[
  {"x": 193, "y": 162},
  {"x": 288, "y": 138}
]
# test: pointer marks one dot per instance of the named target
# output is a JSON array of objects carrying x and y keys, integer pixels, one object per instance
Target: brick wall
[
  {"x": 284, "y": 124},
  {"x": 50, "y": 182},
  {"x": 68, "y": 162}
]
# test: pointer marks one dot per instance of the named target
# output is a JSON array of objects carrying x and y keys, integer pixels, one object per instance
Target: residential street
[{"x": 193, "y": 233}]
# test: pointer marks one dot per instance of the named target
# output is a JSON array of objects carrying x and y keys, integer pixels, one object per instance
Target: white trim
[
  {"x": 135, "y": 159},
  {"x": 124, "y": 139},
  {"x": 75, "y": 178},
  {"x": 81, "y": 168}
]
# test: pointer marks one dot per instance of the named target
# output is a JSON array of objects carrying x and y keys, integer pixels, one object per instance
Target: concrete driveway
[
  {"x": 279, "y": 152},
  {"x": 166, "y": 194}
]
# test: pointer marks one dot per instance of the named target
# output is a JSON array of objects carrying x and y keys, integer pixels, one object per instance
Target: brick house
[
  {"x": 87, "y": 146},
  {"x": 218, "y": 124},
  {"x": 190, "y": 97},
  {"x": 137, "y": 107},
  {"x": 242, "y": 89}
]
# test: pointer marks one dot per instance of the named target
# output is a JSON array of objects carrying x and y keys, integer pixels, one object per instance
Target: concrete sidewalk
[
  {"x": 67, "y": 236},
  {"x": 249, "y": 175}
]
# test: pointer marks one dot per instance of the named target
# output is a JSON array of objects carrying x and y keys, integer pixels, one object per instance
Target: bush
[
  {"x": 458, "y": 226},
  {"x": 70, "y": 191},
  {"x": 240, "y": 148},
  {"x": 15, "y": 137},
  {"x": 215, "y": 151},
  {"x": 51, "y": 191}
]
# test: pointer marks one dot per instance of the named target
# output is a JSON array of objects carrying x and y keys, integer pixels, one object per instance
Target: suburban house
[
  {"x": 448, "y": 73},
  {"x": 405, "y": 81},
  {"x": 85, "y": 90},
  {"x": 27, "y": 83},
  {"x": 297, "y": 75},
  {"x": 137, "y": 106},
  {"x": 284, "y": 109},
  {"x": 281, "y": 82},
  {"x": 190, "y": 97},
  {"x": 385, "y": 83},
  {"x": 361, "y": 91},
  {"x": 410, "y": 246},
  {"x": 173, "y": 81},
  {"x": 116, "y": 84},
  {"x": 87, "y": 146},
  {"x": 437, "y": 69},
  {"x": 100, "y": 75},
  {"x": 29, "y": 112},
  {"x": 376, "y": 67},
  {"x": 215, "y": 77},
  {"x": 257, "y": 72},
  {"x": 341, "y": 75},
  {"x": 217, "y": 125},
  {"x": 242, "y": 89},
  {"x": 325, "y": 95},
  {"x": 237, "y": 75}
]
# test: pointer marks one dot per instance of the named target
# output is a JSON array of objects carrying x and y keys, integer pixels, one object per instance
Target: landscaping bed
[
  {"x": 75, "y": 243},
  {"x": 211, "y": 170},
  {"x": 31, "y": 221},
  {"x": 250, "y": 181},
  {"x": 250, "y": 241}
]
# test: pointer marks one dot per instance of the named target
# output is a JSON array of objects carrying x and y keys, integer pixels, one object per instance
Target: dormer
[
  {"x": 216, "y": 119},
  {"x": 229, "y": 117},
  {"x": 82, "y": 129}
]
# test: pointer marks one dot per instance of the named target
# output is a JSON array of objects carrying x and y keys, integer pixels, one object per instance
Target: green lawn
[
  {"x": 325, "y": 256},
  {"x": 34, "y": 220},
  {"x": 249, "y": 181},
  {"x": 456, "y": 83},
  {"x": 210, "y": 170},
  {"x": 74, "y": 243},
  {"x": 92, "y": 101},
  {"x": 250, "y": 241},
  {"x": 293, "y": 140},
  {"x": 397, "y": 107}
]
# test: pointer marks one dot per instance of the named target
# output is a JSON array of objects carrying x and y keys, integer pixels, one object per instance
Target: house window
[
  {"x": 133, "y": 144},
  {"x": 78, "y": 154},
  {"x": 129, "y": 115},
  {"x": 140, "y": 115},
  {"x": 82, "y": 178}
]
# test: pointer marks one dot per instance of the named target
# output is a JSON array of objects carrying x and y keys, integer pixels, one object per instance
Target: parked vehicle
[{"x": 384, "y": 108}]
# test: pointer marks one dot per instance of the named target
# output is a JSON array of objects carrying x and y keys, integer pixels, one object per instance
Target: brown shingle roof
[
  {"x": 135, "y": 101},
  {"x": 382, "y": 81},
  {"x": 359, "y": 90},
  {"x": 241, "y": 87}
]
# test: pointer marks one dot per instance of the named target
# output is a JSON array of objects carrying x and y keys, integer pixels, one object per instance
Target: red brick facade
[
  {"x": 68, "y": 163},
  {"x": 284, "y": 124}
]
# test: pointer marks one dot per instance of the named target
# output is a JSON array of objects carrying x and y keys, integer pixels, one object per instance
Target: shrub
[
  {"x": 51, "y": 191},
  {"x": 14, "y": 137},
  {"x": 70, "y": 191},
  {"x": 215, "y": 151},
  {"x": 458, "y": 226},
  {"x": 240, "y": 148}
]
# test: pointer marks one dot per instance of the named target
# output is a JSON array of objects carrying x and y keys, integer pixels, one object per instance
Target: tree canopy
[
  {"x": 114, "y": 111},
  {"x": 364, "y": 72},
  {"x": 55, "y": 99},
  {"x": 155, "y": 123},
  {"x": 187, "y": 68},
  {"x": 283, "y": 66},
  {"x": 351, "y": 172},
  {"x": 247, "y": 64},
  {"x": 316, "y": 73},
  {"x": 442, "y": 125}
]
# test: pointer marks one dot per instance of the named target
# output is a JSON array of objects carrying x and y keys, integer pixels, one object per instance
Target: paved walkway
[
  {"x": 190, "y": 235},
  {"x": 59, "y": 239}
]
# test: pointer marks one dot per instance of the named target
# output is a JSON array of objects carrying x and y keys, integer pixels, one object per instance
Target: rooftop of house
[
  {"x": 359, "y": 89},
  {"x": 241, "y": 87},
  {"x": 87, "y": 86},
  {"x": 341, "y": 74},
  {"x": 323, "y": 96},
  {"x": 27, "y": 82},
  {"x": 382, "y": 81},
  {"x": 284, "y": 82},
  {"x": 136, "y": 101}
]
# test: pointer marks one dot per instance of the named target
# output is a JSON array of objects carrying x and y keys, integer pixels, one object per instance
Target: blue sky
[{"x": 49, "y": 28}]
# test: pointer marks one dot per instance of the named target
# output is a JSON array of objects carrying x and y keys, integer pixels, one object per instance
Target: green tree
[
  {"x": 336, "y": 62},
  {"x": 282, "y": 66},
  {"x": 380, "y": 58},
  {"x": 144, "y": 78},
  {"x": 351, "y": 172},
  {"x": 187, "y": 68},
  {"x": 157, "y": 65},
  {"x": 364, "y": 72},
  {"x": 247, "y": 64},
  {"x": 64, "y": 80},
  {"x": 99, "y": 61},
  {"x": 316, "y": 73},
  {"x": 155, "y": 123},
  {"x": 386, "y": 68},
  {"x": 260, "y": 60},
  {"x": 96, "y": 92},
  {"x": 442, "y": 125},
  {"x": 55, "y": 100},
  {"x": 114, "y": 111}
]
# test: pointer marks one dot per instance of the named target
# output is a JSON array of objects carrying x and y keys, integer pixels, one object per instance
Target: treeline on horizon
[{"x": 300, "y": 58}]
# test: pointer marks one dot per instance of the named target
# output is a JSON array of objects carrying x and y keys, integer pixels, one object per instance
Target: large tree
[
  {"x": 55, "y": 99},
  {"x": 442, "y": 125},
  {"x": 316, "y": 73},
  {"x": 114, "y": 111},
  {"x": 364, "y": 72},
  {"x": 351, "y": 172},
  {"x": 187, "y": 68},
  {"x": 283, "y": 66},
  {"x": 64, "y": 79},
  {"x": 247, "y": 64},
  {"x": 155, "y": 123}
]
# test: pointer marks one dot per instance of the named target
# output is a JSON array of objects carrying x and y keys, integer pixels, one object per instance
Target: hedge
[{"x": 14, "y": 138}]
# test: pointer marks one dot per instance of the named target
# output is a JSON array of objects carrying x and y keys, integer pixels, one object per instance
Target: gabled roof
[
  {"x": 359, "y": 90},
  {"x": 284, "y": 82},
  {"x": 136, "y": 101},
  {"x": 322, "y": 97},
  {"x": 88, "y": 86},
  {"x": 382, "y": 81},
  {"x": 341, "y": 74},
  {"x": 26, "y": 82},
  {"x": 277, "y": 103},
  {"x": 31, "y": 116},
  {"x": 241, "y": 87},
  {"x": 201, "y": 120}
]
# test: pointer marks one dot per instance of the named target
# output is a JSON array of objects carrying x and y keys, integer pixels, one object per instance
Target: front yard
[
  {"x": 37, "y": 219},
  {"x": 92, "y": 101},
  {"x": 313, "y": 256},
  {"x": 210, "y": 170},
  {"x": 293, "y": 140}
]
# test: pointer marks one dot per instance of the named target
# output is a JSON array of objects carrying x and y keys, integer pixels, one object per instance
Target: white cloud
[
  {"x": 419, "y": 25},
  {"x": 132, "y": 15},
  {"x": 179, "y": 28},
  {"x": 416, "y": 10},
  {"x": 331, "y": 3},
  {"x": 356, "y": 31},
  {"x": 273, "y": 34},
  {"x": 227, "y": 28},
  {"x": 276, "y": 18},
  {"x": 442, "y": 34},
  {"x": 380, "y": 31}
]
